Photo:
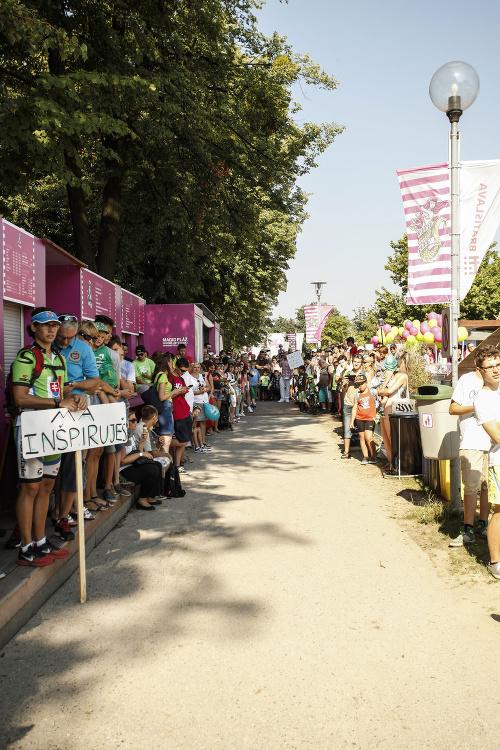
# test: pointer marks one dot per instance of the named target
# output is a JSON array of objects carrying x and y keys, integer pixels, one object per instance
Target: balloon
[
  {"x": 408, "y": 324},
  {"x": 413, "y": 331},
  {"x": 424, "y": 328},
  {"x": 411, "y": 339},
  {"x": 432, "y": 323},
  {"x": 432, "y": 316},
  {"x": 435, "y": 329},
  {"x": 416, "y": 324},
  {"x": 438, "y": 344},
  {"x": 390, "y": 338},
  {"x": 211, "y": 412},
  {"x": 400, "y": 331},
  {"x": 439, "y": 319},
  {"x": 374, "y": 340},
  {"x": 405, "y": 334},
  {"x": 394, "y": 330},
  {"x": 386, "y": 328},
  {"x": 419, "y": 336},
  {"x": 378, "y": 327},
  {"x": 462, "y": 333},
  {"x": 429, "y": 337},
  {"x": 438, "y": 336}
]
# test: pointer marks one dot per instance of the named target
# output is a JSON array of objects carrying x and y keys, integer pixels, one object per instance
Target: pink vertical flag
[
  {"x": 314, "y": 327},
  {"x": 427, "y": 205}
]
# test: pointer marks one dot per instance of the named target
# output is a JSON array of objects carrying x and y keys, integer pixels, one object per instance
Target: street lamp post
[
  {"x": 318, "y": 285},
  {"x": 381, "y": 323},
  {"x": 453, "y": 88}
]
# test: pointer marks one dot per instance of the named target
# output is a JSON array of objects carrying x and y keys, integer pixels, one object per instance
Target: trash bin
[
  {"x": 439, "y": 430},
  {"x": 406, "y": 449}
]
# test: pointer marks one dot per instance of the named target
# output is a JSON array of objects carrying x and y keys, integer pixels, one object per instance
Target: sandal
[
  {"x": 385, "y": 467},
  {"x": 99, "y": 506},
  {"x": 188, "y": 460}
]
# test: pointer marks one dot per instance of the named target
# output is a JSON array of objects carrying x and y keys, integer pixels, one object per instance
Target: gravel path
[{"x": 276, "y": 607}]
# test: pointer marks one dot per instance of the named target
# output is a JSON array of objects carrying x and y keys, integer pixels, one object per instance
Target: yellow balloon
[
  {"x": 432, "y": 323},
  {"x": 411, "y": 339},
  {"x": 394, "y": 329},
  {"x": 419, "y": 336},
  {"x": 462, "y": 333},
  {"x": 429, "y": 337},
  {"x": 400, "y": 331},
  {"x": 416, "y": 323}
]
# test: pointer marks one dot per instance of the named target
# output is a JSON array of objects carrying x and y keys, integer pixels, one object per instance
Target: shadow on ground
[{"x": 117, "y": 572}]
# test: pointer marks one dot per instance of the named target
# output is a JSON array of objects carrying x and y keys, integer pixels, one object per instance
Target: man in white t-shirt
[
  {"x": 474, "y": 447},
  {"x": 487, "y": 413}
]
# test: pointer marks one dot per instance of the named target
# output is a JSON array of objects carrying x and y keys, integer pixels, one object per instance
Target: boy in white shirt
[
  {"x": 487, "y": 412},
  {"x": 474, "y": 448}
]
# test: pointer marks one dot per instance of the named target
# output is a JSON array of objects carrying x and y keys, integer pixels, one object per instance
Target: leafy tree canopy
[{"x": 158, "y": 142}]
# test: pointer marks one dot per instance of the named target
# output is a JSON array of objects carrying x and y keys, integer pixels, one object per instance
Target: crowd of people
[{"x": 172, "y": 404}]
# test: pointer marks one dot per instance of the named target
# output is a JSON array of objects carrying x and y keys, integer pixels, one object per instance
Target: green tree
[
  {"x": 160, "y": 137},
  {"x": 364, "y": 323},
  {"x": 337, "y": 328}
]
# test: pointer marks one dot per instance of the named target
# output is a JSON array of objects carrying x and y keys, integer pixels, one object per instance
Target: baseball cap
[
  {"x": 101, "y": 326},
  {"x": 140, "y": 348},
  {"x": 47, "y": 316}
]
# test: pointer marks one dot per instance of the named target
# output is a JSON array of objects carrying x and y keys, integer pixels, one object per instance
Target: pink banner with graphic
[
  {"x": 314, "y": 327},
  {"x": 97, "y": 295},
  {"x": 426, "y": 199},
  {"x": 18, "y": 264}
]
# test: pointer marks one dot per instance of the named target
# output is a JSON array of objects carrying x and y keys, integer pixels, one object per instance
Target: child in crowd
[
  {"x": 108, "y": 394},
  {"x": 264, "y": 385},
  {"x": 363, "y": 414},
  {"x": 301, "y": 388}
]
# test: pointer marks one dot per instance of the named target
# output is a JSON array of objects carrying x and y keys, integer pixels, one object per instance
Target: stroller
[
  {"x": 225, "y": 418},
  {"x": 312, "y": 396}
]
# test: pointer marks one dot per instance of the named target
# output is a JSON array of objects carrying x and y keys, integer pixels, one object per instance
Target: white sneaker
[
  {"x": 281, "y": 401},
  {"x": 250, "y": 410}
]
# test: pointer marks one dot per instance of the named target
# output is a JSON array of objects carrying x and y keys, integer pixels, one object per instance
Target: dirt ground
[{"x": 287, "y": 602}]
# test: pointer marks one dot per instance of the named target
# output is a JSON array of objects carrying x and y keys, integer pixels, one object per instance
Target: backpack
[
  {"x": 150, "y": 397},
  {"x": 40, "y": 365},
  {"x": 172, "y": 484}
]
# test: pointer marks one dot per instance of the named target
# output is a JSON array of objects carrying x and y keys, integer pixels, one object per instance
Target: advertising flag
[
  {"x": 314, "y": 327},
  {"x": 479, "y": 215},
  {"x": 426, "y": 199}
]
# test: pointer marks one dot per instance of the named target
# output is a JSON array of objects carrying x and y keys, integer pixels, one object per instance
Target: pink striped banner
[
  {"x": 426, "y": 200},
  {"x": 314, "y": 328}
]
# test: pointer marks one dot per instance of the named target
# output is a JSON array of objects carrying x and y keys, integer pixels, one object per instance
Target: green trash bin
[{"x": 439, "y": 430}]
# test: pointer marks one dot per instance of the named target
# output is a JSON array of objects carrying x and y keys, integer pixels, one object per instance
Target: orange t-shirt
[{"x": 367, "y": 408}]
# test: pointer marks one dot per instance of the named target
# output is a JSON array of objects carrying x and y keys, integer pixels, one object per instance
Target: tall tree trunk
[
  {"x": 111, "y": 213},
  {"x": 79, "y": 218}
]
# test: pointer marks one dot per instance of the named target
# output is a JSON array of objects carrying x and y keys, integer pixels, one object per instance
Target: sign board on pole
[
  {"x": 294, "y": 360},
  {"x": 445, "y": 333},
  {"x": 51, "y": 431}
]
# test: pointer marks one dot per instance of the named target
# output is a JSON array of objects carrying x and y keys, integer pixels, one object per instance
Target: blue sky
[{"x": 383, "y": 54}]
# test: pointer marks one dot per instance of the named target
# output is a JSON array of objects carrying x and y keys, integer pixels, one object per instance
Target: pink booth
[
  {"x": 39, "y": 273},
  {"x": 194, "y": 325}
]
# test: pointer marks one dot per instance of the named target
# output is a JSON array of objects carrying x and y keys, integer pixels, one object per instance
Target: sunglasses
[
  {"x": 132, "y": 419},
  {"x": 67, "y": 318},
  {"x": 86, "y": 336}
]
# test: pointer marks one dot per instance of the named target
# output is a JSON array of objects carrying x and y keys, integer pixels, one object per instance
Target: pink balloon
[
  {"x": 405, "y": 334},
  {"x": 435, "y": 330},
  {"x": 413, "y": 331},
  {"x": 437, "y": 336},
  {"x": 432, "y": 316},
  {"x": 408, "y": 324},
  {"x": 374, "y": 340},
  {"x": 387, "y": 328},
  {"x": 378, "y": 327},
  {"x": 439, "y": 319},
  {"x": 424, "y": 328}
]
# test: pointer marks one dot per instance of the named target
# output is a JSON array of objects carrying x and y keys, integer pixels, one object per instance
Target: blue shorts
[
  {"x": 347, "y": 421},
  {"x": 325, "y": 395}
]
